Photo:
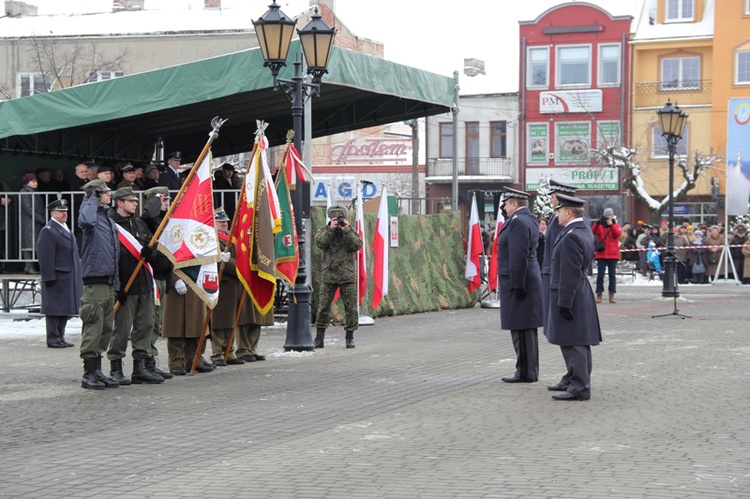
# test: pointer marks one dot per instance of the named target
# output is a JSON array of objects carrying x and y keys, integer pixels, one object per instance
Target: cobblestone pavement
[{"x": 417, "y": 410}]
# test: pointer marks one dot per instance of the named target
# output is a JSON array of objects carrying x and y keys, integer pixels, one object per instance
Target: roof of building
[{"x": 122, "y": 117}]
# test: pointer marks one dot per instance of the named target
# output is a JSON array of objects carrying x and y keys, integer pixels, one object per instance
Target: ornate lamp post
[
  {"x": 672, "y": 122},
  {"x": 274, "y": 30}
]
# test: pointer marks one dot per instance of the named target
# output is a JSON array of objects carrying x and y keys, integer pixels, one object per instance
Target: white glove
[
  {"x": 180, "y": 287},
  {"x": 226, "y": 256}
]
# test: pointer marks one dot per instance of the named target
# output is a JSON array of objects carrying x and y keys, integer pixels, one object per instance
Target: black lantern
[
  {"x": 274, "y": 30},
  {"x": 672, "y": 122},
  {"x": 316, "y": 39}
]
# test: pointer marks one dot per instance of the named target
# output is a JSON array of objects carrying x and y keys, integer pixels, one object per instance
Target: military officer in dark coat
[
  {"x": 553, "y": 230},
  {"x": 170, "y": 178},
  {"x": 573, "y": 318},
  {"x": 520, "y": 283},
  {"x": 60, "y": 269}
]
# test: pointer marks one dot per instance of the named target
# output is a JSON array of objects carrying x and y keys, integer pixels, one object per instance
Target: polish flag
[
  {"x": 380, "y": 252},
  {"x": 492, "y": 277},
  {"x": 361, "y": 255},
  {"x": 474, "y": 248}
]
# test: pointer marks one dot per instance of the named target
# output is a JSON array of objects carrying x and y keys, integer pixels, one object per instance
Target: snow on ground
[{"x": 33, "y": 328}]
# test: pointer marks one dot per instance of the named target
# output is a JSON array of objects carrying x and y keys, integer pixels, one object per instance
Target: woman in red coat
[{"x": 607, "y": 244}]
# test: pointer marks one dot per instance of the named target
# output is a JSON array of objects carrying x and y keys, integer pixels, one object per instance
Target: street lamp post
[
  {"x": 274, "y": 30},
  {"x": 672, "y": 122}
]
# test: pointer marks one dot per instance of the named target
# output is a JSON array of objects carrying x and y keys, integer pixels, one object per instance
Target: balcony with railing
[
  {"x": 683, "y": 93},
  {"x": 492, "y": 168}
]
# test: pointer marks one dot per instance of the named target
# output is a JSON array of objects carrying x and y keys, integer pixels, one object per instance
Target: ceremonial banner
[
  {"x": 286, "y": 247},
  {"x": 254, "y": 232},
  {"x": 189, "y": 239}
]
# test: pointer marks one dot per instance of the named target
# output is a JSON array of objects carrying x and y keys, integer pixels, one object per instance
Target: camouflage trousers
[{"x": 348, "y": 296}]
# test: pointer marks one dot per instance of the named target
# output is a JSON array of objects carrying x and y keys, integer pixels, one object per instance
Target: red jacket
[{"x": 611, "y": 237}]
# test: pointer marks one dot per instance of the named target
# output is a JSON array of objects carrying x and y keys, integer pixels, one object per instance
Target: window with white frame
[
  {"x": 679, "y": 10},
  {"x": 574, "y": 66},
  {"x": 538, "y": 70},
  {"x": 104, "y": 75},
  {"x": 609, "y": 65},
  {"x": 659, "y": 144},
  {"x": 742, "y": 67},
  {"x": 747, "y": 7},
  {"x": 680, "y": 72},
  {"x": 32, "y": 83}
]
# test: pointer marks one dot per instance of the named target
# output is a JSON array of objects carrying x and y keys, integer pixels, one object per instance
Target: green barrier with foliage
[{"x": 426, "y": 269}]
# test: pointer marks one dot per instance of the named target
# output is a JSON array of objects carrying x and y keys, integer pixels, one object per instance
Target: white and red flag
[
  {"x": 130, "y": 243},
  {"x": 189, "y": 239},
  {"x": 380, "y": 253},
  {"x": 295, "y": 169},
  {"x": 474, "y": 248},
  {"x": 492, "y": 277},
  {"x": 361, "y": 255}
]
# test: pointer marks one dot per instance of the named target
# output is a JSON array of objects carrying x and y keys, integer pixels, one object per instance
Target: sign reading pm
[{"x": 573, "y": 101}]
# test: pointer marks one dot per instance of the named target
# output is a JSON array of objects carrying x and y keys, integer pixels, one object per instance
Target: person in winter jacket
[{"x": 607, "y": 252}]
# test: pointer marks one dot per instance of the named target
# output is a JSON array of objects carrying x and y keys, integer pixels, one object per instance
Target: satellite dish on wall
[{"x": 473, "y": 67}]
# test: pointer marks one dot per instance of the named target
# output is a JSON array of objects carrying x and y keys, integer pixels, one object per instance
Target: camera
[
  {"x": 603, "y": 220},
  {"x": 340, "y": 221}
]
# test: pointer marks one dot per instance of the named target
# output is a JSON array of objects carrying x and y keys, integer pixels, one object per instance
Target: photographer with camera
[
  {"x": 607, "y": 252},
  {"x": 339, "y": 242}
]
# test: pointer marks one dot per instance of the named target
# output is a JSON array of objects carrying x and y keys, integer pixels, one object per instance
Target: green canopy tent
[{"x": 120, "y": 119}]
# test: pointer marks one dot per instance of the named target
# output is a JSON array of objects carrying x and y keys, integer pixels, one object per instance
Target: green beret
[
  {"x": 336, "y": 211},
  {"x": 94, "y": 185},
  {"x": 162, "y": 189}
]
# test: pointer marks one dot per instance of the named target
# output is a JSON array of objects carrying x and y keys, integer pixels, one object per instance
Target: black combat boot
[
  {"x": 320, "y": 336},
  {"x": 142, "y": 375},
  {"x": 115, "y": 371},
  {"x": 350, "y": 339},
  {"x": 103, "y": 378},
  {"x": 89, "y": 376},
  {"x": 151, "y": 367}
]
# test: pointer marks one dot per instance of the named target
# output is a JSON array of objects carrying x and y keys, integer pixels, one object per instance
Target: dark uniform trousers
[
  {"x": 526, "y": 345},
  {"x": 219, "y": 342},
  {"x": 181, "y": 352},
  {"x": 248, "y": 337},
  {"x": 578, "y": 362},
  {"x": 56, "y": 328},
  {"x": 161, "y": 285},
  {"x": 97, "y": 319},
  {"x": 137, "y": 313},
  {"x": 348, "y": 296}
]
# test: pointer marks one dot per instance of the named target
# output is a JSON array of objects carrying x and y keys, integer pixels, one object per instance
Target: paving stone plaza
[{"x": 417, "y": 410}]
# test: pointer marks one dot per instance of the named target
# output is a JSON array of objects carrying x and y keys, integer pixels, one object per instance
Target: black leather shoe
[
  {"x": 260, "y": 357},
  {"x": 235, "y": 362},
  {"x": 560, "y": 387},
  {"x": 57, "y": 345},
  {"x": 178, "y": 371},
  {"x": 516, "y": 379},
  {"x": 568, "y": 396},
  {"x": 203, "y": 368},
  {"x": 67, "y": 344},
  {"x": 248, "y": 358},
  {"x": 220, "y": 363}
]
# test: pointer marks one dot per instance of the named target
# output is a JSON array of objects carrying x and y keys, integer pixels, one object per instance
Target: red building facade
[{"x": 574, "y": 98}]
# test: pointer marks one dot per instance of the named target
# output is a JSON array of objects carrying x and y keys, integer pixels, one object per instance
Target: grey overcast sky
[{"x": 418, "y": 33}]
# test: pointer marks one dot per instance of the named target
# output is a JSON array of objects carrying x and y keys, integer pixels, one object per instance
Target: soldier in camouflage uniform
[{"x": 339, "y": 242}]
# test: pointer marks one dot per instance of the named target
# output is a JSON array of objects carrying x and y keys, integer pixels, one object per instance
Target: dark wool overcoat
[
  {"x": 570, "y": 288},
  {"x": 517, "y": 268},
  {"x": 60, "y": 265}
]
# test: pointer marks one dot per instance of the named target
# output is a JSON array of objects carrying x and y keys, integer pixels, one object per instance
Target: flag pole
[
  {"x": 212, "y": 135},
  {"x": 363, "y": 320},
  {"x": 210, "y": 311}
]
